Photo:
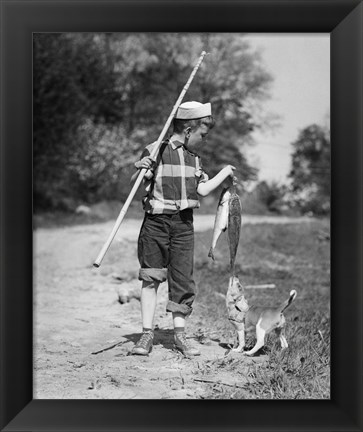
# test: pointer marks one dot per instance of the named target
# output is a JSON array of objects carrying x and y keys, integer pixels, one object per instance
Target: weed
[{"x": 291, "y": 257}]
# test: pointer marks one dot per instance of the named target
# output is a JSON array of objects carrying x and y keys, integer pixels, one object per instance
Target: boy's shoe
[
  {"x": 144, "y": 344},
  {"x": 182, "y": 344}
]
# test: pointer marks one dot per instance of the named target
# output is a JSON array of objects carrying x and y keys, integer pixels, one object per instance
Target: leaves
[
  {"x": 310, "y": 171},
  {"x": 99, "y": 98}
]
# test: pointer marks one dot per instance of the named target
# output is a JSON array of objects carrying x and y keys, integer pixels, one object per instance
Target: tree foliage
[
  {"x": 100, "y": 98},
  {"x": 310, "y": 173}
]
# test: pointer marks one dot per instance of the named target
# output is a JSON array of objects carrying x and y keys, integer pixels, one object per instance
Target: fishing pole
[{"x": 143, "y": 170}]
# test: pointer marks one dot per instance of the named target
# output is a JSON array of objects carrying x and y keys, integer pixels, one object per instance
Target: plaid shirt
[{"x": 176, "y": 177}]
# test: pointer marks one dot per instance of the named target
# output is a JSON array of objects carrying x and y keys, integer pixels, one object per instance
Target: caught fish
[
  {"x": 221, "y": 220},
  {"x": 234, "y": 225},
  {"x": 229, "y": 215}
]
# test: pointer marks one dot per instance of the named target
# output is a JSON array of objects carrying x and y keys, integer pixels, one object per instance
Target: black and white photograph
[{"x": 181, "y": 216}]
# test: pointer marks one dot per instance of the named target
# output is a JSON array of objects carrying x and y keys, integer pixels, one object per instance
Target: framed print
[{"x": 28, "y": 404}]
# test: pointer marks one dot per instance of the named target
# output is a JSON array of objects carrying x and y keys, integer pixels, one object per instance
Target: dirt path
[{"x": 83, "y": 334}]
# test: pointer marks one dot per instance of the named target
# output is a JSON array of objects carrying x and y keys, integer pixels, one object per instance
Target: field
[
  {"x": 293, "y": 256},
  {"x": 83, "y": 332}
]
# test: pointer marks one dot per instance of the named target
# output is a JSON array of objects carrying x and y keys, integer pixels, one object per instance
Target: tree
[
  {"x": 100, "y": 98},
  {"x": 310, "y": 171},
  {"x": 72, "y": 82}
]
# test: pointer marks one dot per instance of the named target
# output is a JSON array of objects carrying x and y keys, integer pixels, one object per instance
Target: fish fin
[{"x": 211, "y": 254}]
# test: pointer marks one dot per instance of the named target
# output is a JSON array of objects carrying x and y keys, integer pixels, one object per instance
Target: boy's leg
[
  {"x": 178, "y": 320},
  {"x": 180, "y": 269},
  {"x": 180, "y": 279},
  {"x": 148, "y": 303},
  {"x": 148, "y": 306},
  {"x": 152, "y": 254},
  {"x": 181, "y": 343}
]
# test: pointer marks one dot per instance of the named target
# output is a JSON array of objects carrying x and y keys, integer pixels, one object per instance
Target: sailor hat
[{"x": 193, "y": 110}]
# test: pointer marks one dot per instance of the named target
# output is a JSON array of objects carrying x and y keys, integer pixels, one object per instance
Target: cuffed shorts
[{"x": 166, "y": 252}]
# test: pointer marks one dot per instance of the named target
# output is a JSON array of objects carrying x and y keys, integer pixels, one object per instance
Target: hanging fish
[
  {"x": 229, "y": 215},
  {"x": 221, "y": 220},
  {"x": 234, "y": 225}
]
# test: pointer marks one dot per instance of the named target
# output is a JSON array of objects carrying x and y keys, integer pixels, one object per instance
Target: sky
[{"x": 300, "y": 66}]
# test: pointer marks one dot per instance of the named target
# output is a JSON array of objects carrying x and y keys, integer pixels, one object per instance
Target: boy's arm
[{"x": 207, "y": 187}]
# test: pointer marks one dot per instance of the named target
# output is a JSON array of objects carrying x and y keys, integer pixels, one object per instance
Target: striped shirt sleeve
[
  {"x": 147, "y": 152},
  {"x": 200, "y": 174}
]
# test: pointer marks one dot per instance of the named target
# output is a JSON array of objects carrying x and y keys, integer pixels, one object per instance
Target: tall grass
[{"x": 294, "y": 256}]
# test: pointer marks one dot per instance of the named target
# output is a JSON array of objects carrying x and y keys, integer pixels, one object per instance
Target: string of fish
[{"x": 228, "y": 217}]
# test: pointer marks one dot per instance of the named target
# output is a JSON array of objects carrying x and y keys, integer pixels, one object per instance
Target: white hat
[{"x": 193, "y": 110}]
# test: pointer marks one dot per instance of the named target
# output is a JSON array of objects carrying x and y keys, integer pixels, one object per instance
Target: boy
[{"x": 166, "y": 241}]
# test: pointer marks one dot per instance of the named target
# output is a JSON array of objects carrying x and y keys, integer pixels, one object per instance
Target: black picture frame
[{"x": 19, "y": 20}]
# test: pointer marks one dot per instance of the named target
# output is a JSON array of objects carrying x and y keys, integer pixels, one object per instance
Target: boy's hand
[
  {"x": 146, "y": 162},
  {"x": 229, "y": 170}
]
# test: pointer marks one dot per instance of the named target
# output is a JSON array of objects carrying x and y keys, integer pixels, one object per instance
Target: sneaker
[
  {"x": 182, "y": 344},
  {"x": 144, "y": 344}
]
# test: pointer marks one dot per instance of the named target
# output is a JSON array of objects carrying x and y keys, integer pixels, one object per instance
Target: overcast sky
[{"x": 300, "y": 65}]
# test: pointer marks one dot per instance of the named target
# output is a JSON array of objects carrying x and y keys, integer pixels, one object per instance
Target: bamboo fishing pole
[{"x": 143, "y": 171}]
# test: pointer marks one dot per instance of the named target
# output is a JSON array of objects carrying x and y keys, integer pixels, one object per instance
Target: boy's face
[{"x": 197, "y": 135}]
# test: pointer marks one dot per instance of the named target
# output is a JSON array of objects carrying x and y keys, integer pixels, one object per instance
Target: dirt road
[{"x": 83, "y": 334}]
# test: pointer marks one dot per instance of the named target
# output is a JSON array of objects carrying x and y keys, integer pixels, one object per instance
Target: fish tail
[{"x": 211, "y": 253}]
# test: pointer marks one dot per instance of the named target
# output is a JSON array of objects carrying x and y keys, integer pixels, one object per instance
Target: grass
[
  {"x": 300, "y": 372},
  {"x": 291, "y": 257}
]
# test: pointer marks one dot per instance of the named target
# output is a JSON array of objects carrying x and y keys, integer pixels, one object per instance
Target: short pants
[{"x": 166, "y": 252}]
